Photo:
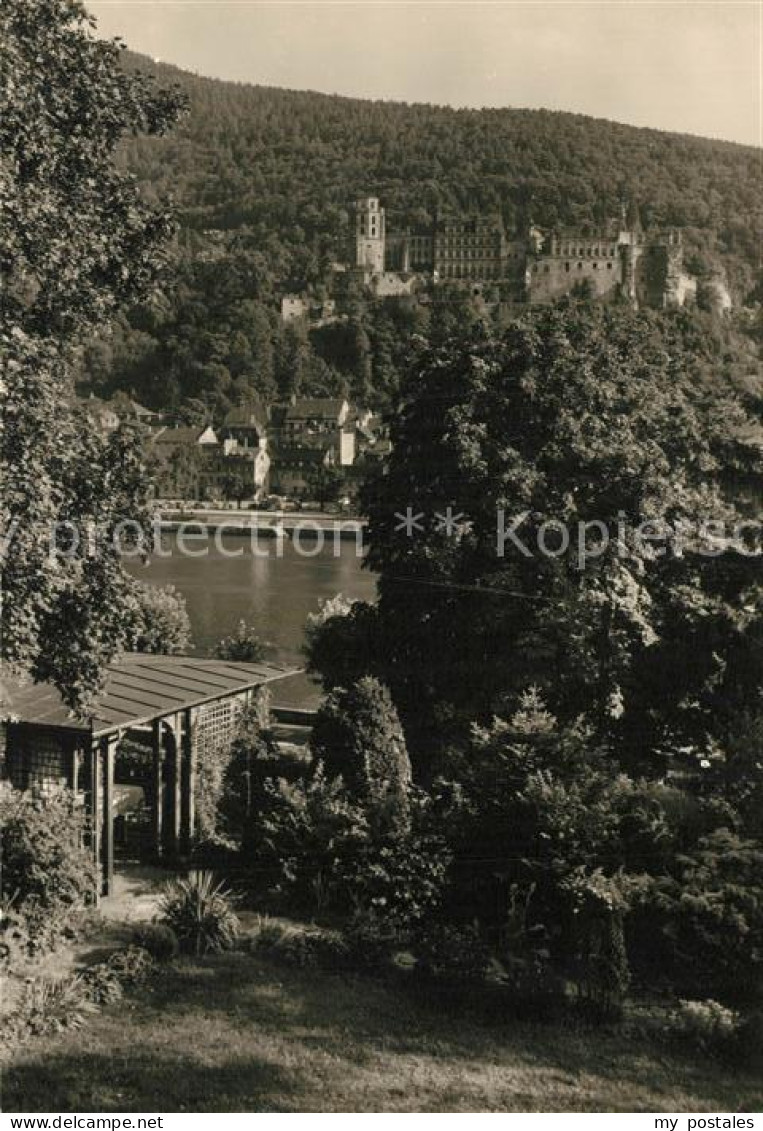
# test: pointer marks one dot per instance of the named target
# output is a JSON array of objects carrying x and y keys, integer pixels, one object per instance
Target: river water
[{"x": 274, "y": 591}]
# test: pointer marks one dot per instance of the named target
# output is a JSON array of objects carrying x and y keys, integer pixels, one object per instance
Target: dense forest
[{"x": 263, "y": 180}]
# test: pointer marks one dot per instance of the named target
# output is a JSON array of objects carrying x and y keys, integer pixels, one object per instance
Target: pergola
[{"x": 183, "y": 703}]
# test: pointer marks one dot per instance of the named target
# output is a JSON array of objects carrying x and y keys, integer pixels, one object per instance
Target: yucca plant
[
  {"x": 199, "y": 910},
  {"x": 51, "y": 1004}
]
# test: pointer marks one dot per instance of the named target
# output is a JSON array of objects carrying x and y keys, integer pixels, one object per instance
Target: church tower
[{"x": 369, "y": 235}]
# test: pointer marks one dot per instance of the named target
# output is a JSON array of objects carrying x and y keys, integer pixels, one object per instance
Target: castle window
[
  {"x": 566, "y": 267},
  {"x": 609, "y": 266},
  {"x": 580, "y": 266},
  {"x": 596, "y": 266},
  {"x": 545, "y": 269}
]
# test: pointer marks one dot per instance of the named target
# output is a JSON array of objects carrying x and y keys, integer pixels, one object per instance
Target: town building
[
  {"x": 296, "y": 469},
  {"x": 194, "y": 462},
  {"x": 308, "y": 420},
  {"x": 310, "y": 433},
  {"x": 107, "y": 415}
]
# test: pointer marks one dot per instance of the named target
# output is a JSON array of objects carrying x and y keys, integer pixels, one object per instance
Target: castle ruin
[{"x": 645, "y": 268}]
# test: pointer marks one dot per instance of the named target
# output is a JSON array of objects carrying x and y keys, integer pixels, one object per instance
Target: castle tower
[{"x": 369, "y": 235}]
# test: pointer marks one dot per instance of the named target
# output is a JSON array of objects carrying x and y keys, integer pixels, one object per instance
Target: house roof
[
  {"x": 96, "y": 405},
  {"x": 141, "y": 411},
  {"x": 140, "y": 688},
  {"x": 330, "y": 408},
  {"x": 247, "y": 416},
  {"x": 178, "y": 437}
]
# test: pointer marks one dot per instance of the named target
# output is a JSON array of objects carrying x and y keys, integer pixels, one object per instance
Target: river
[{"x": 274, "y": 592}]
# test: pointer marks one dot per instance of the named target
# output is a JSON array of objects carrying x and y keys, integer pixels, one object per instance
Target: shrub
[
  {"x": 105, "y": 982},
  {"x": 708, "y": 918},
  {"x": 132, "y": 965},
  {"x": 370, "y": 940},
  {"x": 102, "y": 984},
  {"x": 243, "y": 645},
  {"x": 399, "y": 878},
  {"x": 327, "y": 854},
  {"x": 252, "y": 757},
  {"x": 308, "y": 833},
  {"x": 706, "y": 1025},
  {"x": 601, "y": 965},
  {"x": 297, "y": 946},
  {"x": 604, "y": 974},
  {"x": 16, "y": 942},
  {"x": 47, "y": 874},
  {"x": 200, "y": 912},
  {"x": 50, "y": 1005},
  {"x": 268, "y": 934},
  {"x": 449, "y": 953},
  {"x": 157, "y": 940},
  {"x": 750, "y": 1040},
  {"x": 536, "y": 990}
]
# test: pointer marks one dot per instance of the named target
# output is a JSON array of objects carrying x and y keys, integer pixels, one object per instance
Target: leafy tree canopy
[
  {"x": 576, "y": 415},
  {"x": 77, "y": 241}
]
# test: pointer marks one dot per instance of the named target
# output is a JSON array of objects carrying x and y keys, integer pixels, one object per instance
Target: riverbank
[{"x": 268, "y": 524}]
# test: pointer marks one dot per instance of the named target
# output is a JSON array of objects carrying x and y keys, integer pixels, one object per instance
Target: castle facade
[{"x": 535, "y": 266}]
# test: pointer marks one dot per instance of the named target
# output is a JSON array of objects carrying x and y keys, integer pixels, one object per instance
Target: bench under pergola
[{"x": 179, "y": 703}]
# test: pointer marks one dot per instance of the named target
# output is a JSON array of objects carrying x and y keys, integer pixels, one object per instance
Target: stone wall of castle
[{"x": 551, "y": 277}]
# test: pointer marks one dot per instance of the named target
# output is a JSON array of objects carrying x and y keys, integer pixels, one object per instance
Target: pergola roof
[{"x": 140, "y": 688}]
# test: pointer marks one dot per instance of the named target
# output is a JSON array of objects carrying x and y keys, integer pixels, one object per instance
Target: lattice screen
[
  {"x": 216, "y": 724},
  {"x": 213, "y": 732},
  {"x": 40, "y": 762}
]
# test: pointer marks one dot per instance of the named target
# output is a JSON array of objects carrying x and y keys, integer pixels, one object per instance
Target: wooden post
[
  {"x": 175, "y": 786},
  {"x": 107, "y": 846},
  {"x": 156, "y": 815},
  {"x": 95, "y": 808},
  {"x": 188, "y": 783},
  {"x": 74, "y": 769}
]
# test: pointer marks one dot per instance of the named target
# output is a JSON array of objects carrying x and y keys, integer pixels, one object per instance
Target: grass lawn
[{"x": 238, "y": 1033}]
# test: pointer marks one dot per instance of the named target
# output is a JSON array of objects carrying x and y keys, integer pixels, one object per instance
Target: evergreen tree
[{"x": 357, "y": 735}]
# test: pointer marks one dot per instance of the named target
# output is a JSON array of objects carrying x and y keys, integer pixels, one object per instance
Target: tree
[
  {"x": 159, "y": 622},
  {"x": 324, "y": 483},
  {"x": 357, "y": 735},
  {"x": 77, "y": 241},
  {"x": 341, "y": 642},
  {"x": 585, "y": 420},
  {"x": 238, "y": 485}
]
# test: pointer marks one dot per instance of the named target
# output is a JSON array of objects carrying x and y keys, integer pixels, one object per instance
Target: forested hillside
[{"x": 264, "y": 180}]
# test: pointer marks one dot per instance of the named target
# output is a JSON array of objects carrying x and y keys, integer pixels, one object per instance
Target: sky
[{"x": 685, "y": 65}]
